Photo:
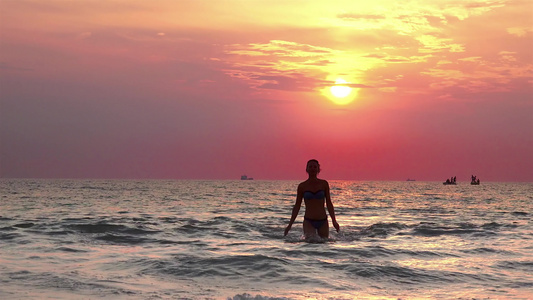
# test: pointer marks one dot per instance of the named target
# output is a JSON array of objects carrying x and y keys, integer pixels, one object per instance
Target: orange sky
[{"x": 214, "y": 89}]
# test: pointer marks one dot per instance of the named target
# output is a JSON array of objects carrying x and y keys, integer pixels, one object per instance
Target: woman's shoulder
[
  {"x": 305, "y": 185},
  {"x": 322, "y": 181},
  {"x": 302, "y": 185}
]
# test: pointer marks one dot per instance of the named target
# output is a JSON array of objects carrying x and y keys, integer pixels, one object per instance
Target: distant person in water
[{"x": 315, "y": 192}]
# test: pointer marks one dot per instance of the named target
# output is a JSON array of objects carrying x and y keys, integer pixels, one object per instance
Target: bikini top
[{"x": 320, "y": 194}]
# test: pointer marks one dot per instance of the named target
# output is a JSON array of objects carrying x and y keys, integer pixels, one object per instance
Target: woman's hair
[{"x": 313, "y": 160}]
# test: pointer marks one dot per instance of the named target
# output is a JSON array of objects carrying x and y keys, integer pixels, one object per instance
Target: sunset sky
[{"x": 215, "y": 89}]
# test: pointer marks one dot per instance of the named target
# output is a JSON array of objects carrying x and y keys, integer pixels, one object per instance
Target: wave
[
  {"x": 262, "y": 266},
  {"x": 147, "y": 229},
  {"x": 9, "y": 236},
  {"x": 247, "y": 296},
  {"x": 125, "y": 239},
  {"x": 383, "y": 229},
  {"x": 69, "y": 249},
  {"x": 379, "y": 252},
  {"x": 520, "y": 213},
  {"x": 485, "y": 250},
  {"x": 104, "y": 227},
  {"x": 427, "y": 229},
  {"x": 65, "y": 286},
  {"x": 24, "y": 225},
  {"x": 399, "y": 274},
  {"x": 526, "y": 266},
  {"x": 432, "y": 229}
]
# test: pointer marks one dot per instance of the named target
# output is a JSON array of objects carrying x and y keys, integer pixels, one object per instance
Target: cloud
[
  {"x": 520, "y": 31},
  {"x": 355, "y": 16},
  {"x": 476, "y": 75},
  {"x": 285, "y": 83},
  {"x": 508, "y": 56},
  {"x": 471, "y": 59},
  {"x": 466, "y": 9},
  {"x": 278, "y": 48},
  {"x": 389, "y": 58},
  {"x": 432, "y": 44}
]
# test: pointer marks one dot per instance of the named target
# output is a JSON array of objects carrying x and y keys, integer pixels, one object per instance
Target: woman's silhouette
[{"x": 315, "y": 192}]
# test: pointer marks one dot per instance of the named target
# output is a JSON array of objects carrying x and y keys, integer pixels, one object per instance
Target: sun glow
[
  {"x": 339, "y": 90},
  {"x": 340, "y": 93}
]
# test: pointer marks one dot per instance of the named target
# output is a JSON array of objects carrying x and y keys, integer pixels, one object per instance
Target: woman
[{"x": 315, "y": 192}]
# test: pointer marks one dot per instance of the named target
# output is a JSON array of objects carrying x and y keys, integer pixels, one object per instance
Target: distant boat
[
  {"x": 244, "y": 177},
  {"x": 409, "y": 179},
  {"x": 451, "y": 181}
]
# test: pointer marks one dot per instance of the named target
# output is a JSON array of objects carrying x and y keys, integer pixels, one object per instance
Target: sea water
[{"x": 125, "y": 239}]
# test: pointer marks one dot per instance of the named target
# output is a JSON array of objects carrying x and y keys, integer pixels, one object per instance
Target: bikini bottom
[{"x": 316, "y": 223}]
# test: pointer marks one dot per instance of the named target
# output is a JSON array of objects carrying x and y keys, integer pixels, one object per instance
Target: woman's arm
[
  {"x": 331, "y": 209},
  {"x": 295, "y": 209}
]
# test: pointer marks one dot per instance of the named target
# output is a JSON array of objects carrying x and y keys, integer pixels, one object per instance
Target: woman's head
[{"x": 313, "y": 166}]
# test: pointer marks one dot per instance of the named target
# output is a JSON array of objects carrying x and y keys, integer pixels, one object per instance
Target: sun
[
  {"x": 339, "y": 90},
  {"x": 340, "y": 93}
]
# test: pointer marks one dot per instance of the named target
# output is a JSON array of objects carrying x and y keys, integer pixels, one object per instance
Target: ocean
[{"x": 187, "y": 239}]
